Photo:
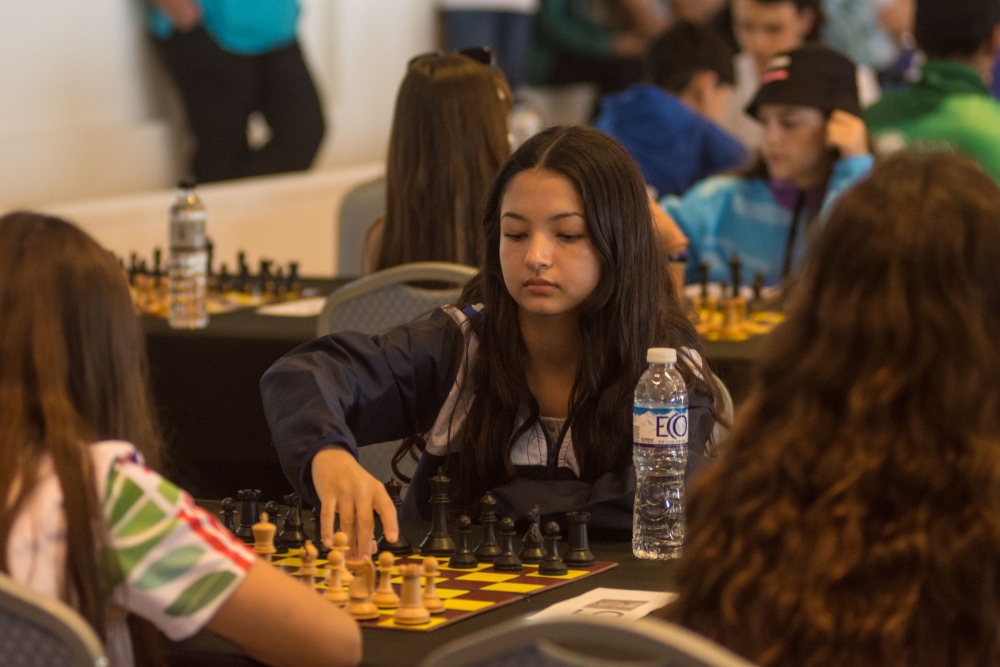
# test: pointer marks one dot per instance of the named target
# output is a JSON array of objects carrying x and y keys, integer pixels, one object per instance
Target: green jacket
[
  {"x": 565, "y": 26},
  {"x": 950, "y": 105}
]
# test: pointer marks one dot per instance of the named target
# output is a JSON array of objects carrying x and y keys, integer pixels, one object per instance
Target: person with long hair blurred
[
  {"x": 448, "y": 140},
  {"x": 85, "y": 520},
  {"x": 854, "y": 517}
]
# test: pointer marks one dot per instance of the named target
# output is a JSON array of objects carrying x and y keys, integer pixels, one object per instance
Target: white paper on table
[
  {"x": 609, "y": 603},
  {"x": 310, "y": 307}
]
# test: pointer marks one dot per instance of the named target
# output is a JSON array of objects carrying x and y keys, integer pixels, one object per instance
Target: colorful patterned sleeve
[{"x": 176, "y": 563}]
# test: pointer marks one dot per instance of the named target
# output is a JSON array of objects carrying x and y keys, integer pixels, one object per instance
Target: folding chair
[
  {"x": 584, "y": 641},
  {"x": 38, "y": 630},
  {"x": 378, "y": 301}
]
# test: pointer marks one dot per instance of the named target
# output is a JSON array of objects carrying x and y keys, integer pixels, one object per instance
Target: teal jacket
[
  {"x": 238, "y": 26},
  {"x": 949, "y": 105},
  {"x": 727, "y": 215}
]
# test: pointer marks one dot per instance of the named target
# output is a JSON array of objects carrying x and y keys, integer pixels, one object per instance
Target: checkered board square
[{"x": 464, "y": 592}]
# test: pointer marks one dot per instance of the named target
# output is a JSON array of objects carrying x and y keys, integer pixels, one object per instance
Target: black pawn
[
  {"x": 488, "y": 549},
  {"x": 438, "y": 542},
  {"x": 463, "y": 559},
  {"x": 228, "y": 512},
  {"x": 273, "y": 510},
  {"x": 249, "y": 513},
  {"x": 579, "y": 554},
  {"x": 292, "y": 534},
  {"x": 552, "y": 564},
  {"x": 402, "y": 546},
  {"x": 735, "y": 272},
  {"x": 531, "y": 546},
  {"x": 703, "y": 279},
  {"x": 507, "y": 561}
]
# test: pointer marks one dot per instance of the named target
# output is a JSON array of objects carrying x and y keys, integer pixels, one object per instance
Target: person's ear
[
  {"x": 700, "y": 89},
  {"x": 807, "y": 21}
]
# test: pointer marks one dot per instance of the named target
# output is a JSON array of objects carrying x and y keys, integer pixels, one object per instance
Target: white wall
[{"x": 87, "y": 113}]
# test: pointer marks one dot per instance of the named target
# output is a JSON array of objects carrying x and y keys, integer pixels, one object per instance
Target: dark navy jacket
[{"x": 351, "y": 390}]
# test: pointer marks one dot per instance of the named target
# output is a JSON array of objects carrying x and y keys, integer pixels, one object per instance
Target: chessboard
[
  {"x": 227, "y": 292},
  {"x": 464, "y": 592}
]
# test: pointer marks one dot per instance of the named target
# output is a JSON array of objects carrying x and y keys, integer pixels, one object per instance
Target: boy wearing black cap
[
  {"x": 815, "y": 146},
  {"x": 950, "y": 105}
]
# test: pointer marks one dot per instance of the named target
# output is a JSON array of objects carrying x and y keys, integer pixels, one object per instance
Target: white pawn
[
  {"x": 308, "y": 568},
  {"x": 385, "y": 596},
  {"x": 335, "y": 592},
  {"x": 432, "y": 602},
  {"x": 340, "y": 543},
  {"x": 411, "y": 608}
]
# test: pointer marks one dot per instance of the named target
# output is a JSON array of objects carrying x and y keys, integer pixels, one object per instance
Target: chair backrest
[
  {"x": 359, "y": 209},
  {"x": 374, "y": 303},
  {"x": 584, "y": 641},
  {"x": 38, "y": 630}
]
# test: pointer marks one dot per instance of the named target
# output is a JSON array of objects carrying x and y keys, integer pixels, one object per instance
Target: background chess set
[
  {"x": 467, "y": 582},
  {"x": 227, "y": 291},
  {"x": 731, "y": 312}
]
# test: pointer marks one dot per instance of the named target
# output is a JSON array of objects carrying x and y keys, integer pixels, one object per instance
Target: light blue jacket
[
  {"x": 724, "y": 215},
  {"x": 239, "y": 26}
]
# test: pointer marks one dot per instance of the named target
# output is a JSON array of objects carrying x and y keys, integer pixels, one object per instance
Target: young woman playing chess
[
  {"x": 85, "y": 519},
  {"x": 523, "y": 389},
  {"x": 855, "y": 519}
]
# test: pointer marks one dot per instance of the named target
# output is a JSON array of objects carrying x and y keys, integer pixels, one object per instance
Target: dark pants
[{"x": 221, "y": 89}]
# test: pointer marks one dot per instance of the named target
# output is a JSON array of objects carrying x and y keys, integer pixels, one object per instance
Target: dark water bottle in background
[
  {"x": 659, "y": 452},
  {"x": 188, "y": 269}
]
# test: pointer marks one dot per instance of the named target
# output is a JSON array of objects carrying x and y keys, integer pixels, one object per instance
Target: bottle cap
[
  {"x": 661, "y": 355},
  {"x": 186, "y": 184}
]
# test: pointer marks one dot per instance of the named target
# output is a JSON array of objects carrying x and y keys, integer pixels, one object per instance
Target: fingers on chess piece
[
  {"x": 488, "y": 548},
  {"x": 263, "y": 537},
  {"x": 578, "y": 554},
  {"x": 439, "y": 542},
  {"x": 507, "y": 560},
  {"x": 431, "y": 600},
  {"x": 335, "y": 592},
  {"x": 385, "y": 595},
  {"x": 552, "y": 564},
  {"x": 463, "y": 559},
  {"x": 361, "y": 589},
  {"x": 411, "y": 604}
]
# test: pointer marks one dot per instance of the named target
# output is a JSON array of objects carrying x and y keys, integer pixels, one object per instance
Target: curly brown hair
[{"x": 855, "y": 517}]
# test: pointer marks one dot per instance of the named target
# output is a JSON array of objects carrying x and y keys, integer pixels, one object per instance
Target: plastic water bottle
[
  {"x": 659, "y": 451},
  {"x": 188, "y": 273}
]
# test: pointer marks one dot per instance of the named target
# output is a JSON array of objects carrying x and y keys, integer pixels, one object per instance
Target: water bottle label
[{"x": 660, "y": 427}]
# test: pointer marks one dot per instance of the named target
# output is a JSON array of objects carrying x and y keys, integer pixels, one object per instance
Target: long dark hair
[
  {"x": 72, "y": 372},
  {"x": 449, "y": 138},
  {"x": 634, "y": 307},
  {"x": 854, "y": 518}
]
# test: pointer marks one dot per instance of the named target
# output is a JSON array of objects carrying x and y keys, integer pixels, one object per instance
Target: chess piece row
[
  {"x": 536, "y": 548},
  {"x": 363, "y": 600},
  {"x": 268, "y": 280}
]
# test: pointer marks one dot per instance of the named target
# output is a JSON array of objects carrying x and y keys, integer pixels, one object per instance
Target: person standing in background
[
  {"x": 502, "y": 25},
  {"x": 950, "y": 105},
  {"x": 230, "y": 59}
]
